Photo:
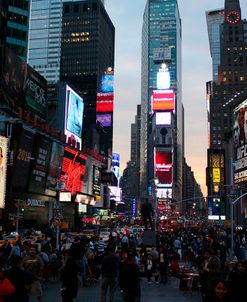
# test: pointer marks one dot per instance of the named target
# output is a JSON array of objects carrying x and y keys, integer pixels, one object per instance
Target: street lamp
[{"x": 156, "y": 181}]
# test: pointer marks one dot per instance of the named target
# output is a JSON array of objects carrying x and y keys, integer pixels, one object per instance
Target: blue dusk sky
[{"x": 126, "y": 16}]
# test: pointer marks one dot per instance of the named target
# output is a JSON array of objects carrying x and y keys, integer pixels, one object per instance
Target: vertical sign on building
[{"x": 3, "y": 169}]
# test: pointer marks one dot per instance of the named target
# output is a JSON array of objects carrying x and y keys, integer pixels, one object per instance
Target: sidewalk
[{"x": 153, "y": 293}]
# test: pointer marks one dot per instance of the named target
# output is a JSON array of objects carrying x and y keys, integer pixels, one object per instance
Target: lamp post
[{"x": 156, "y": 181}]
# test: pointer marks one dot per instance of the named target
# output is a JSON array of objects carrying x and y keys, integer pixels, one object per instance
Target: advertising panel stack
[{"x": 163, "y": 107}]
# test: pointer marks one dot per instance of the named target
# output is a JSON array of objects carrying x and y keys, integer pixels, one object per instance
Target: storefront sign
[{"x": 36, "y": 203}]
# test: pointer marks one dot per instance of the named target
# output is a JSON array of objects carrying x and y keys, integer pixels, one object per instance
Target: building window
[
  {"x": 66, "y": 8},
  {"x": 95, "y": 6},
  {"x": 76, "y": 8}
]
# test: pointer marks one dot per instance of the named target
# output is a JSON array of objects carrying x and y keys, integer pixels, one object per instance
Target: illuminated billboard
[
  {"x": 115, "y": 194},
  {"x": 105, "y": 119},
  {"x": 216, "y": 209},
  {"x": 74, "y": 108},
  {"x": 163, "y": 118},
  {"x": 116, "y": 164},
  {"x": 104, "y": 102},
  {"x": 73, "y": 169},
  {"x": 164, "y": 192},
  {"x": 240, "y": 142},
  {"x": 96, "y": 180},
  {"x": 163, "y": 100},
  {"x": 23, "y": 86},
  {"x": 40, "y": 163},
  {"x": 3, "y": 169},
  {"x": 163, "y": 78},
  {"x": 107, "y": 82},
  {"x": 163, "y": 163}
]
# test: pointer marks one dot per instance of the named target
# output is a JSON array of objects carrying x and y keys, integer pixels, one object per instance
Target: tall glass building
[
  {"x": 161, "y": 43},
  {"x": 17, "y": 27},
  {"x": 214, "y": 20}
]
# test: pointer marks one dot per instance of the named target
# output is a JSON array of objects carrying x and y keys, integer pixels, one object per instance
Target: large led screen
[
  {"x": 116, "y": 164},
  {"x": 96, "y": 180},
  {"x": 115, "y": 194},
  {"x": 163, "y": 118},
  {"x": 240, "y": 142},
  {"x": 107, "y": 82},
  {"x": 104, "y": 102},
  {"x": 163, "y": 79},
  {"x": 23, "y": 86},
  {"x": 56, "y": 160},
  {"x": 73, "y": 115},
  {"x": 73, "y": 169},
  {"x": 3, "y": 169},
  {"x": 105, "y": 119},
  {"x": 163, "y": 161},
  {"x": 163, "y": 100},
  {"x": 40, "y": 163}
]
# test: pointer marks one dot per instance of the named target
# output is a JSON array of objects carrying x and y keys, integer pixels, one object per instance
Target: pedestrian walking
[
  {"x": 69, "y": 277},
  {"x": 129, "y": 279},
  {"x": 109, "y": 270}
]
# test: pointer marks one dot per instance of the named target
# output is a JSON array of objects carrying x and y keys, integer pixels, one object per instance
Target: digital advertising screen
[
  {"x": 164, "y": 192},
  {"x": 240, "y": 142},
  {"x": 73, "y": 169},
  {"x": 163, "y": 79},
  {"x": 105, "y": 119},
  {"x": 56, "y": 161},
  {"x": 104, "y": 102},
  {"x": 163, "y": 118},
  {"x": 116, "y": 164},
  {"x": 23, "y": 157},
  {"x": 3, "y": 169},
  {"x": 107, "y": 83},
  {"x": 163, "y": 100},
  {"x": 40, "y": 164},
  {"x": 73, "y": 115},
  {"x": 115, "y": 194},
  {"x": 163, "y": 162},
  {"x": 23, "y": 86},
  {"x": 96, "y": 180}
]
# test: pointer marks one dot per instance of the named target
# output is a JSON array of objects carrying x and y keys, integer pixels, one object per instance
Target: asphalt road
[{"x": 150, "y": 293}]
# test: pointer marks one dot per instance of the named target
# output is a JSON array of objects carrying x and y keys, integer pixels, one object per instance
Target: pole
[
  {"x": 17, "y": 220},
  {"x": 232, "y": 226},
  {"x": 57, "y": 237}
]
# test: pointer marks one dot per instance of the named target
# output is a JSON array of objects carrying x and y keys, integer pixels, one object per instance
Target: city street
[{"x": 155, "y": 293}]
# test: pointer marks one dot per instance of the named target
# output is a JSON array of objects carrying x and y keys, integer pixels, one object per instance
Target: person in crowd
[
  {"x": 20, "y": 279},
  {"x": 163, "y": 265},
  {"x": 129, "y": 279},
  {"x": 147, "y": 213},
  {"x": 69, "y": 277},
  {"x": 238, "y": 282},
  {"x": 109, "y": 271},
  {"x": 34, "y": 265},
  {"x": 210, "y": 272},
  {"x": 220, "y": 292},
  {"x": 151, "y": 269},
  {"x": 6, "y": 287},
  {"x": 5, "y": 250}
]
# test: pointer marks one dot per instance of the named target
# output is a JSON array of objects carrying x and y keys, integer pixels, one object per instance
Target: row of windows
[
  {"x": 16, "y": 18},
  {"x": 23, "y": 4},
  {"x": 76, "y": 40},
  {"x": 16, "y": 34},
  {"x": 235, "y": 79},
  {"x": 76, "y": 8}
]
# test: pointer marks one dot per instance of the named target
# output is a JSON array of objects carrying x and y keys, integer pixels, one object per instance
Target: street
[{"x": 155, "y": 293}]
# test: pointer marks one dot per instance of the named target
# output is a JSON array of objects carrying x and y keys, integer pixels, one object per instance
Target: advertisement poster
[
  {"x": 163, "y": 162},
  {"x": 107, "y": 82},
  {"x": 104, "y": 102},
  {"x": 96, "y": 181},
  {"x": 163, "y": 100},
  {"x": 41, "y": 159},
  {"x": 73, "y": 115},
  {"x": 104, "y": 119},
  {"x": 23, "y": 87},
  {"x": 240, "y": 142},
  {"x": 73, "y": 169},
  {"x": 23, "y": 160},
  {"x": 55, "y": 166},
  {"x": 3, "y": 169}
]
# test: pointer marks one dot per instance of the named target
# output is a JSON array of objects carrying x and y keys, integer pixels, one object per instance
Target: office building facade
[{"x": 161, "y": 44}]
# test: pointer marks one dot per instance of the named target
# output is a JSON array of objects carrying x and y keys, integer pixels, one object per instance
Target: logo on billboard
[
  {"x": 3, "y": 169},
  {"x": 104, "y": 102}
]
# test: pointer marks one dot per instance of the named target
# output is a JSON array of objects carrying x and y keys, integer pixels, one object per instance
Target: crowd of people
[{"x": 26, "y": 268}]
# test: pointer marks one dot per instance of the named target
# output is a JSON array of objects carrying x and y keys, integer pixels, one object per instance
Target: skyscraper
[
  {"x": 16, "y": 36},
  {"x": 161, "y": 43},
  {"x": 229, "y": 89}
]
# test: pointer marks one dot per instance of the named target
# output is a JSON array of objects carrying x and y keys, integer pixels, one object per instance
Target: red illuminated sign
[
  {"x": 163, "y": 100},
  {"x": 73, "y": 169},
  {"x": 164, "y": 167},
  {"x": 104, "y": 102}
]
